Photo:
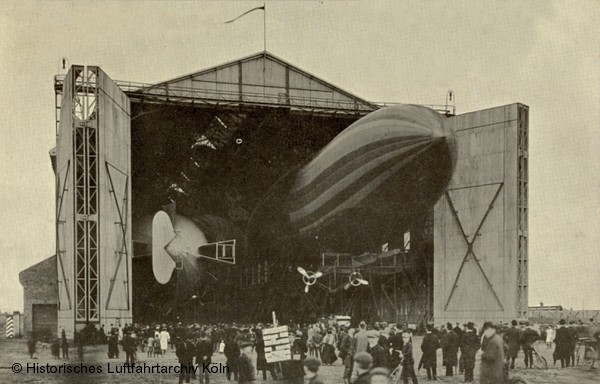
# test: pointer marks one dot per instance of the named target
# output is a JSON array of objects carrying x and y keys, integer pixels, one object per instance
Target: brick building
[{"x": 40, "y": 296}]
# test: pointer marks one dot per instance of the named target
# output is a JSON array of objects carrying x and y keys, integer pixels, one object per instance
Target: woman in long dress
[
  {"x": 261, "y": 359},
  {"x": 328, "y": 354},
  {"x": 164, "y": 338}
]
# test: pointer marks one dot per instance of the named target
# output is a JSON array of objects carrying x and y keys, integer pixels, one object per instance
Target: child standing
[{"x": 150, "y": 345}]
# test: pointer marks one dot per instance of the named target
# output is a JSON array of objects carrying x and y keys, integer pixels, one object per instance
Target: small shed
[{"x": 40, "y": 297}]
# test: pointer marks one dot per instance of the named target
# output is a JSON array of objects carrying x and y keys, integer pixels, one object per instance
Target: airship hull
[{"x": 386, "y": 169}]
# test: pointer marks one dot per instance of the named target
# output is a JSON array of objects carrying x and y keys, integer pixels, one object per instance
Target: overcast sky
[{"x": 545, "y": 54}]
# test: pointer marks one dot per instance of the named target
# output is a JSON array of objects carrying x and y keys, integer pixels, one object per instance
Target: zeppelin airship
[
  {"x": 381, "y": 173},
  {"x": 385, "y": 170}
]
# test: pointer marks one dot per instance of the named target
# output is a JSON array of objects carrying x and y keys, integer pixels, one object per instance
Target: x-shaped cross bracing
[{"x": 470, "y": 246}]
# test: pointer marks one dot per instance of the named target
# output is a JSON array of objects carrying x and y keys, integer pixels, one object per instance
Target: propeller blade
[
  {"x": 318, "y": 274},
  {"x": 306, "y": 289},
  {"x": 302, "y": 271},
  {"x": 347, "y": 286},
  {"x": 363, "y": 282}
]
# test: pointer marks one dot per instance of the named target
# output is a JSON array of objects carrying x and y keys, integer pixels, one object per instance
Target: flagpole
[{"x": 264, "y": 46}]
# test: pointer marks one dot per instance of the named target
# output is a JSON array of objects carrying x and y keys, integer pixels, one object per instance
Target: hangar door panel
[
  {"x": 480, "y": 251},
  {"x": 93, "y": 223},
  {"x": 473, "y": 285}
]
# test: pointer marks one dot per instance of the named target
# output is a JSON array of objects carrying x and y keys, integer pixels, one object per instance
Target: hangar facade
[{"x": 208, "y": 145}]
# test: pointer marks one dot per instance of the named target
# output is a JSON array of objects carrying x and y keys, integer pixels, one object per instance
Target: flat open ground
[{"x": 15, "y": 351}]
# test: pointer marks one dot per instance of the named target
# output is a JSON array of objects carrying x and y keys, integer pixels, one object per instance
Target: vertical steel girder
[
  {"x": 85, "y": 144},
  {"x": 522, "y": 201},
  {"x": 470, "y": 246}
]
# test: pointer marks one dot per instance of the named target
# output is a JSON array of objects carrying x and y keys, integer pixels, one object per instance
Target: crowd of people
[
  {"x": 373, "y": 349},
  {"x": 368, "y": 352}
]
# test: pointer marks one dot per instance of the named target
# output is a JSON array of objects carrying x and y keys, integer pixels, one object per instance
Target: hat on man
[
  {"x": 363, "y": 359},
  {"x": 245, "y": 344},
  {"x": 312, "y": 363},
  {"x": 379, "y": 371},
  {"x": 488, "y": 324}
]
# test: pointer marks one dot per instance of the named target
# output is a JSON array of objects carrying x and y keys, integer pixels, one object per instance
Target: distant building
[
  {"x": 546, "y": 308},
  {"x": 40, "y": 296}
]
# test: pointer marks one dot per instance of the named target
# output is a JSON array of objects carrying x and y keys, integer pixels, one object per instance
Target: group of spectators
[
  {"x": 379, "y": 348},
  {"x": 367, "y": 352}
]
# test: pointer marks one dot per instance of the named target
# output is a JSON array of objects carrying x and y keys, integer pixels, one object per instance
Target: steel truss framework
[
  {"x": 523, "y": 201},
  {"x": 174, "y": 95},
  {"x": 398, "y": 293},
  {"x": 85, "y": 143}
]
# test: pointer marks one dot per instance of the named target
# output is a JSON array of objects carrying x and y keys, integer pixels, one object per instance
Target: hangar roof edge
[{"x": 265, "y": 55}]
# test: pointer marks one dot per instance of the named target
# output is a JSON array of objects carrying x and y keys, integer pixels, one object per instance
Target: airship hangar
[{"x": 255, "y": 186}]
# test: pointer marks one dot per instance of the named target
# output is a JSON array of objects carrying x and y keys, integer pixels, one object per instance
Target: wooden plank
[{"x": 269, "y": 331}]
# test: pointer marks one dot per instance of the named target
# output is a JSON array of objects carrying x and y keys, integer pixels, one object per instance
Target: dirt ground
[{"x": 15, "y": 351}]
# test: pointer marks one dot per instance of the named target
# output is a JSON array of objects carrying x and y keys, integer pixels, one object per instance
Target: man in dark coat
[
  {"x": 185, "y": 353},
  {"x": 204, "y": 351},
  {"x": 64, "y": 345},
  {"x": 460, "y": 333},
  {"x": 450, "y": 350},
  {"x": 573, "y": 338},
  {"x": 232, "y": 353},
  {"x": 303, "y": 343},
  {"x": 408, "y": 361},
  {"x": 245, "y": 368},
  {"x": 347, "y": 348},
  {"x": 113, "y": 344},
  {"x": 261, "y": 357},
  {"x": 461, "y": 347},
  {"x": 469, "y": 351},
  {"x": 31, "y": 344},
  {"x": 396, "y": 344},
  {"x": 458, "y": 330},
  {"x": 129, "y": 348},
  {"x": 512, "y": 337},
  {"x": 492, "y": 358},
  {"x": 528, "y": 338},
  {"x": 562, "y": 344},
  {"x": 429, "y": 346},
  {"x": 381, "y": 355}
]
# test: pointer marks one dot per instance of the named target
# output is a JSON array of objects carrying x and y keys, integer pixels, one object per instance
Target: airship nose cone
[{"x": 402, "y": 155}]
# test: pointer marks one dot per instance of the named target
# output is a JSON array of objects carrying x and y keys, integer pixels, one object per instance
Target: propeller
[
  {"x": 308, "y": 277},
  {"x": 354, "y": 280},
  {"x": 302, "y": 271}
]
